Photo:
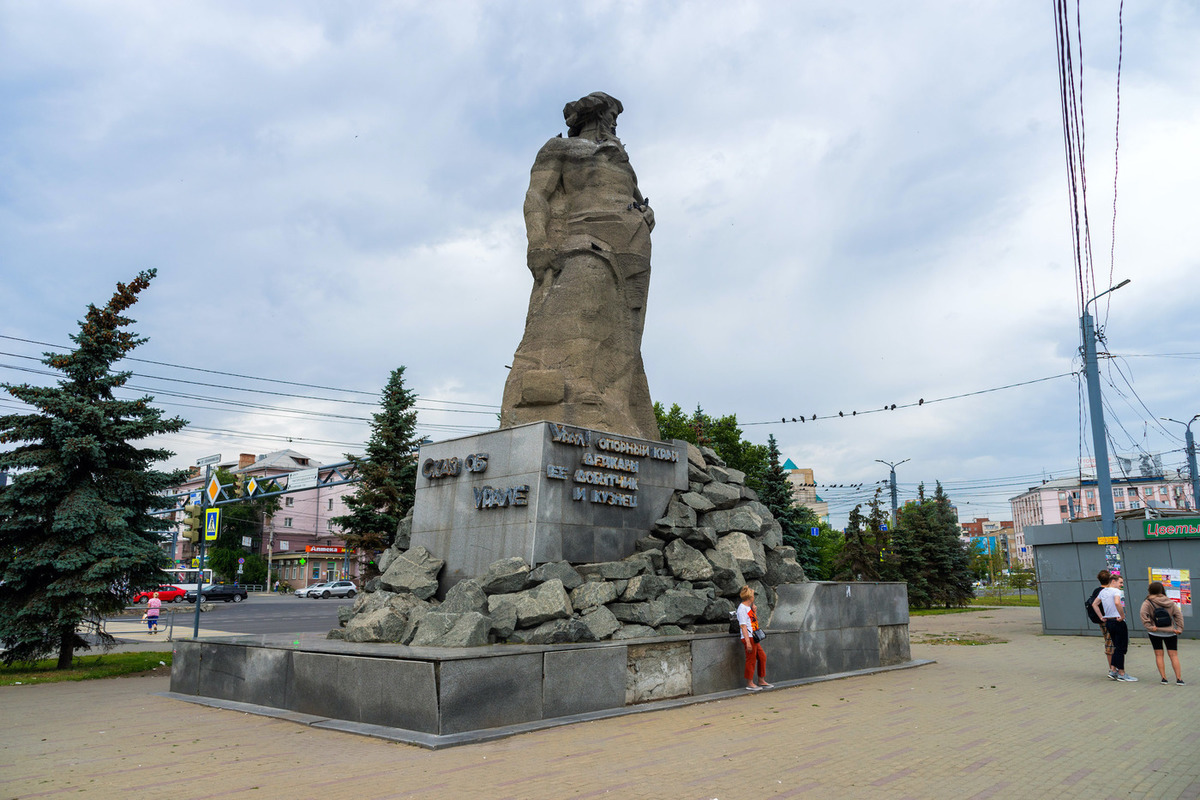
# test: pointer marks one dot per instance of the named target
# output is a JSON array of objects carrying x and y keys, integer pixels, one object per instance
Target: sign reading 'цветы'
[{"x": 1171, "y": 529}]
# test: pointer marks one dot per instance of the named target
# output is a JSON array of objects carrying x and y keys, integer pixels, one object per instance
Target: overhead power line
[
  {"x": 247, "y": 377},
  {"x": 894, "y": 406}
]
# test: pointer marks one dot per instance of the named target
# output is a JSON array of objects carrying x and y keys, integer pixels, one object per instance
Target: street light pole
[
  {"x": 893, "y": 477},
  {"x": 1190, "y": 446},
  {"x": 1096, "y": 412}
]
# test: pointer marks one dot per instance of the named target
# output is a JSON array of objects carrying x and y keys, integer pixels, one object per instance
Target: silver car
[
  {"x": 333, "y": 589},
  {"x": 316, "y": 587}
]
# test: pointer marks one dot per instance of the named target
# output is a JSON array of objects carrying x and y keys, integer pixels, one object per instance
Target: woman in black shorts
[{"x": 1163, "y": 636}]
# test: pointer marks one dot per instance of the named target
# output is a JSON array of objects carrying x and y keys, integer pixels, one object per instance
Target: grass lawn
[
  {"x": 1030, "y": 600},
  {"x": 85, "y": 668},
  {"x": 932, "y": 612}
]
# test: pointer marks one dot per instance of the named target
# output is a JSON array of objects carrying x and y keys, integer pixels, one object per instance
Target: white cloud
[{"x": 856, "y": 205}]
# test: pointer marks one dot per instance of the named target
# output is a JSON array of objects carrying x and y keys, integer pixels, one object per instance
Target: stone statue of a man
[{"x": 580, "y": 360}]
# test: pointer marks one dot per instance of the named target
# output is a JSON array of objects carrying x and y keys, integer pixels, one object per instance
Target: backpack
[
  {"x": 1162, "y": 617},
  {"x": 1087, "y": 605}
]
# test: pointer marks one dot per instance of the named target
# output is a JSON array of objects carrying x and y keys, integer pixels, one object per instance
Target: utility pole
[
  {"x": 1190, "y": 446},
  {"x": 203, "y": 536},
  {"x": 893, "y": 481},
  {"x": 1096, "y": 412}
]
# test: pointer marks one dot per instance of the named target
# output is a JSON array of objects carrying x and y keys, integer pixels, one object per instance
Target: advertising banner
[
  {"x": 1172, "y": 528},
  {"x": 1178, "y": 583}
]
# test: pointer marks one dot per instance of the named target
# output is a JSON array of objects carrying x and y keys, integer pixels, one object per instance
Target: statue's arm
[
  {"x": 543, "y": 180},
  {"x": 647, "y": 212}
]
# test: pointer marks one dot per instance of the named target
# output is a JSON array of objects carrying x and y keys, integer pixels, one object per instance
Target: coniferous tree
[
  {"x": 77, "y": 535},
  {"x": 859, "y": 560},
  {"x": 953, "y": 560},
  {"x": 930, "y": 556},
  {"x": 775, "y": 492},
  {"x": 388, "y": 474},
  {"x": 722, "y": 434}
]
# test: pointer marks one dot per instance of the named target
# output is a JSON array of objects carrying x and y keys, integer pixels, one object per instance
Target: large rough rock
[
  {"x": 635, "y": 631},
  {"x": 505, "y": 576},
  {"x": 557, "y": 569},
  {"x": 686, "y": 562},
  {"x": 465, "y": 596},
  {"x": 588, "y": 226},
  {"x": 696, "y": 501},
  {"x": 415, "y": 572},
  {"x": 403, "y": 533},
  {"x": 468, "y": 629},
  {"x": 386, "y": 617},
  {"x": 613, "y": 570},
  {"x": 727, "y": 575},
  {"x": 592, "y": 594},
  {"x": 700, "y": 537},
  {"x": 782, "y": 567},
  {"x": 557, "y": 631},
  {"x": 651, "y": 613},
  {"x": 601, "y": 622},
  {"x": 741, "y": 519},
  {"x": 722, "y": 495},
  {"x": 645, "y": 587},
  {"x": 540, "y": 604},
  {"x": 681, "y": 606},
  {"x": 503, "y": 614},
  {"x": 748, "y": 552}
]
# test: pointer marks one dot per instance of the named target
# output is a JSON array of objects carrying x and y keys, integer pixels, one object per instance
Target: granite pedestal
[{"x": 437, "y": 697}]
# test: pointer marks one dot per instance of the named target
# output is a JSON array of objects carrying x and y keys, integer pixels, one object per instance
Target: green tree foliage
[
  {"x": 930, "y": 556},
  {"x": 1022, "y": 579},
  {"x": 722, "y": 434},
  {"x": 388, "y": 475},
  {"x": 239, "y": 520},
  {"x": 775, "y": 492},
  {"x": 76, "y": 531},
  {"x": 829, "y": 542},
  {"x": 866, "y": 553}
]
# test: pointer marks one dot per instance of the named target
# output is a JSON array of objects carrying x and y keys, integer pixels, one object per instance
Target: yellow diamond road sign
[
  {"x": 213, "y": 489},
  {"x": 251, "y": 486}
]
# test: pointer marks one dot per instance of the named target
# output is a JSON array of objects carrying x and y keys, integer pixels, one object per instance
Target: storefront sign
[{"x": 1175, "y": 528}]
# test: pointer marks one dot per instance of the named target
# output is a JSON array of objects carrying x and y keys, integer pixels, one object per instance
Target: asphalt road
[{"x": 267, "y": 614}]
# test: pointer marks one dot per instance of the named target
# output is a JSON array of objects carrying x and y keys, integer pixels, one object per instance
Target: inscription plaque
[{"x": 545, "y": 492}]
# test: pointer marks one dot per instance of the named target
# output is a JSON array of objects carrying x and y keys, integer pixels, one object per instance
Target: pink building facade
[
  {"x": 1069, "y": 499},
  {"x": 299, "y": 540}
]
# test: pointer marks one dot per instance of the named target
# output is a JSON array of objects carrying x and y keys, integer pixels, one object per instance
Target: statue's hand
[{"x": 539, "y": 261}]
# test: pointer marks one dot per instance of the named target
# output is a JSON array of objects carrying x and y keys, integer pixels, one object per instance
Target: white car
[
  {"x": 316, "y": 587},
  {"x": 333, "y": 589}
]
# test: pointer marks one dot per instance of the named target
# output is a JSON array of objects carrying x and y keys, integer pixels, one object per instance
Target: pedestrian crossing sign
[{"x": 212, "y": 522}]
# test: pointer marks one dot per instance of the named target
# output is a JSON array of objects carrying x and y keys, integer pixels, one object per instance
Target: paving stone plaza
[{"x": 1032, "y": 717}]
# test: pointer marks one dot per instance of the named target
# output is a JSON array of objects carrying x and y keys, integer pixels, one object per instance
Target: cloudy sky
[{"x": 858, "y": 205}]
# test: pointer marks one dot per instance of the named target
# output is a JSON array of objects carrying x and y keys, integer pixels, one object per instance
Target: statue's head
[{"x": 595, "y": 107}]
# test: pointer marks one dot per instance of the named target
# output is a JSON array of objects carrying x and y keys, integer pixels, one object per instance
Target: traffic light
[
  {"x": 193, "y": 522},
  {"x": 239, "y": 485}
]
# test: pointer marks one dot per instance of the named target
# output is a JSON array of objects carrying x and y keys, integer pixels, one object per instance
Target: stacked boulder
[{"x": 684, "y": 578}]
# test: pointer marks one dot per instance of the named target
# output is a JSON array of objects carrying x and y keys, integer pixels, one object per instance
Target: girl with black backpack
[{"x": 1163, "y": 621}]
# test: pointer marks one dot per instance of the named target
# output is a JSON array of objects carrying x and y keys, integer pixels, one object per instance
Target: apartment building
[{"x": 300, "y": 538}]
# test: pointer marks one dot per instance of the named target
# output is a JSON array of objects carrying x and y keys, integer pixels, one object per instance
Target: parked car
[
  {"x": 316, "y": 587},
  {"x": 167, "y": 594},
  {"x": 333, "y": 589},
  {"x": 220, "y": 591}
]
